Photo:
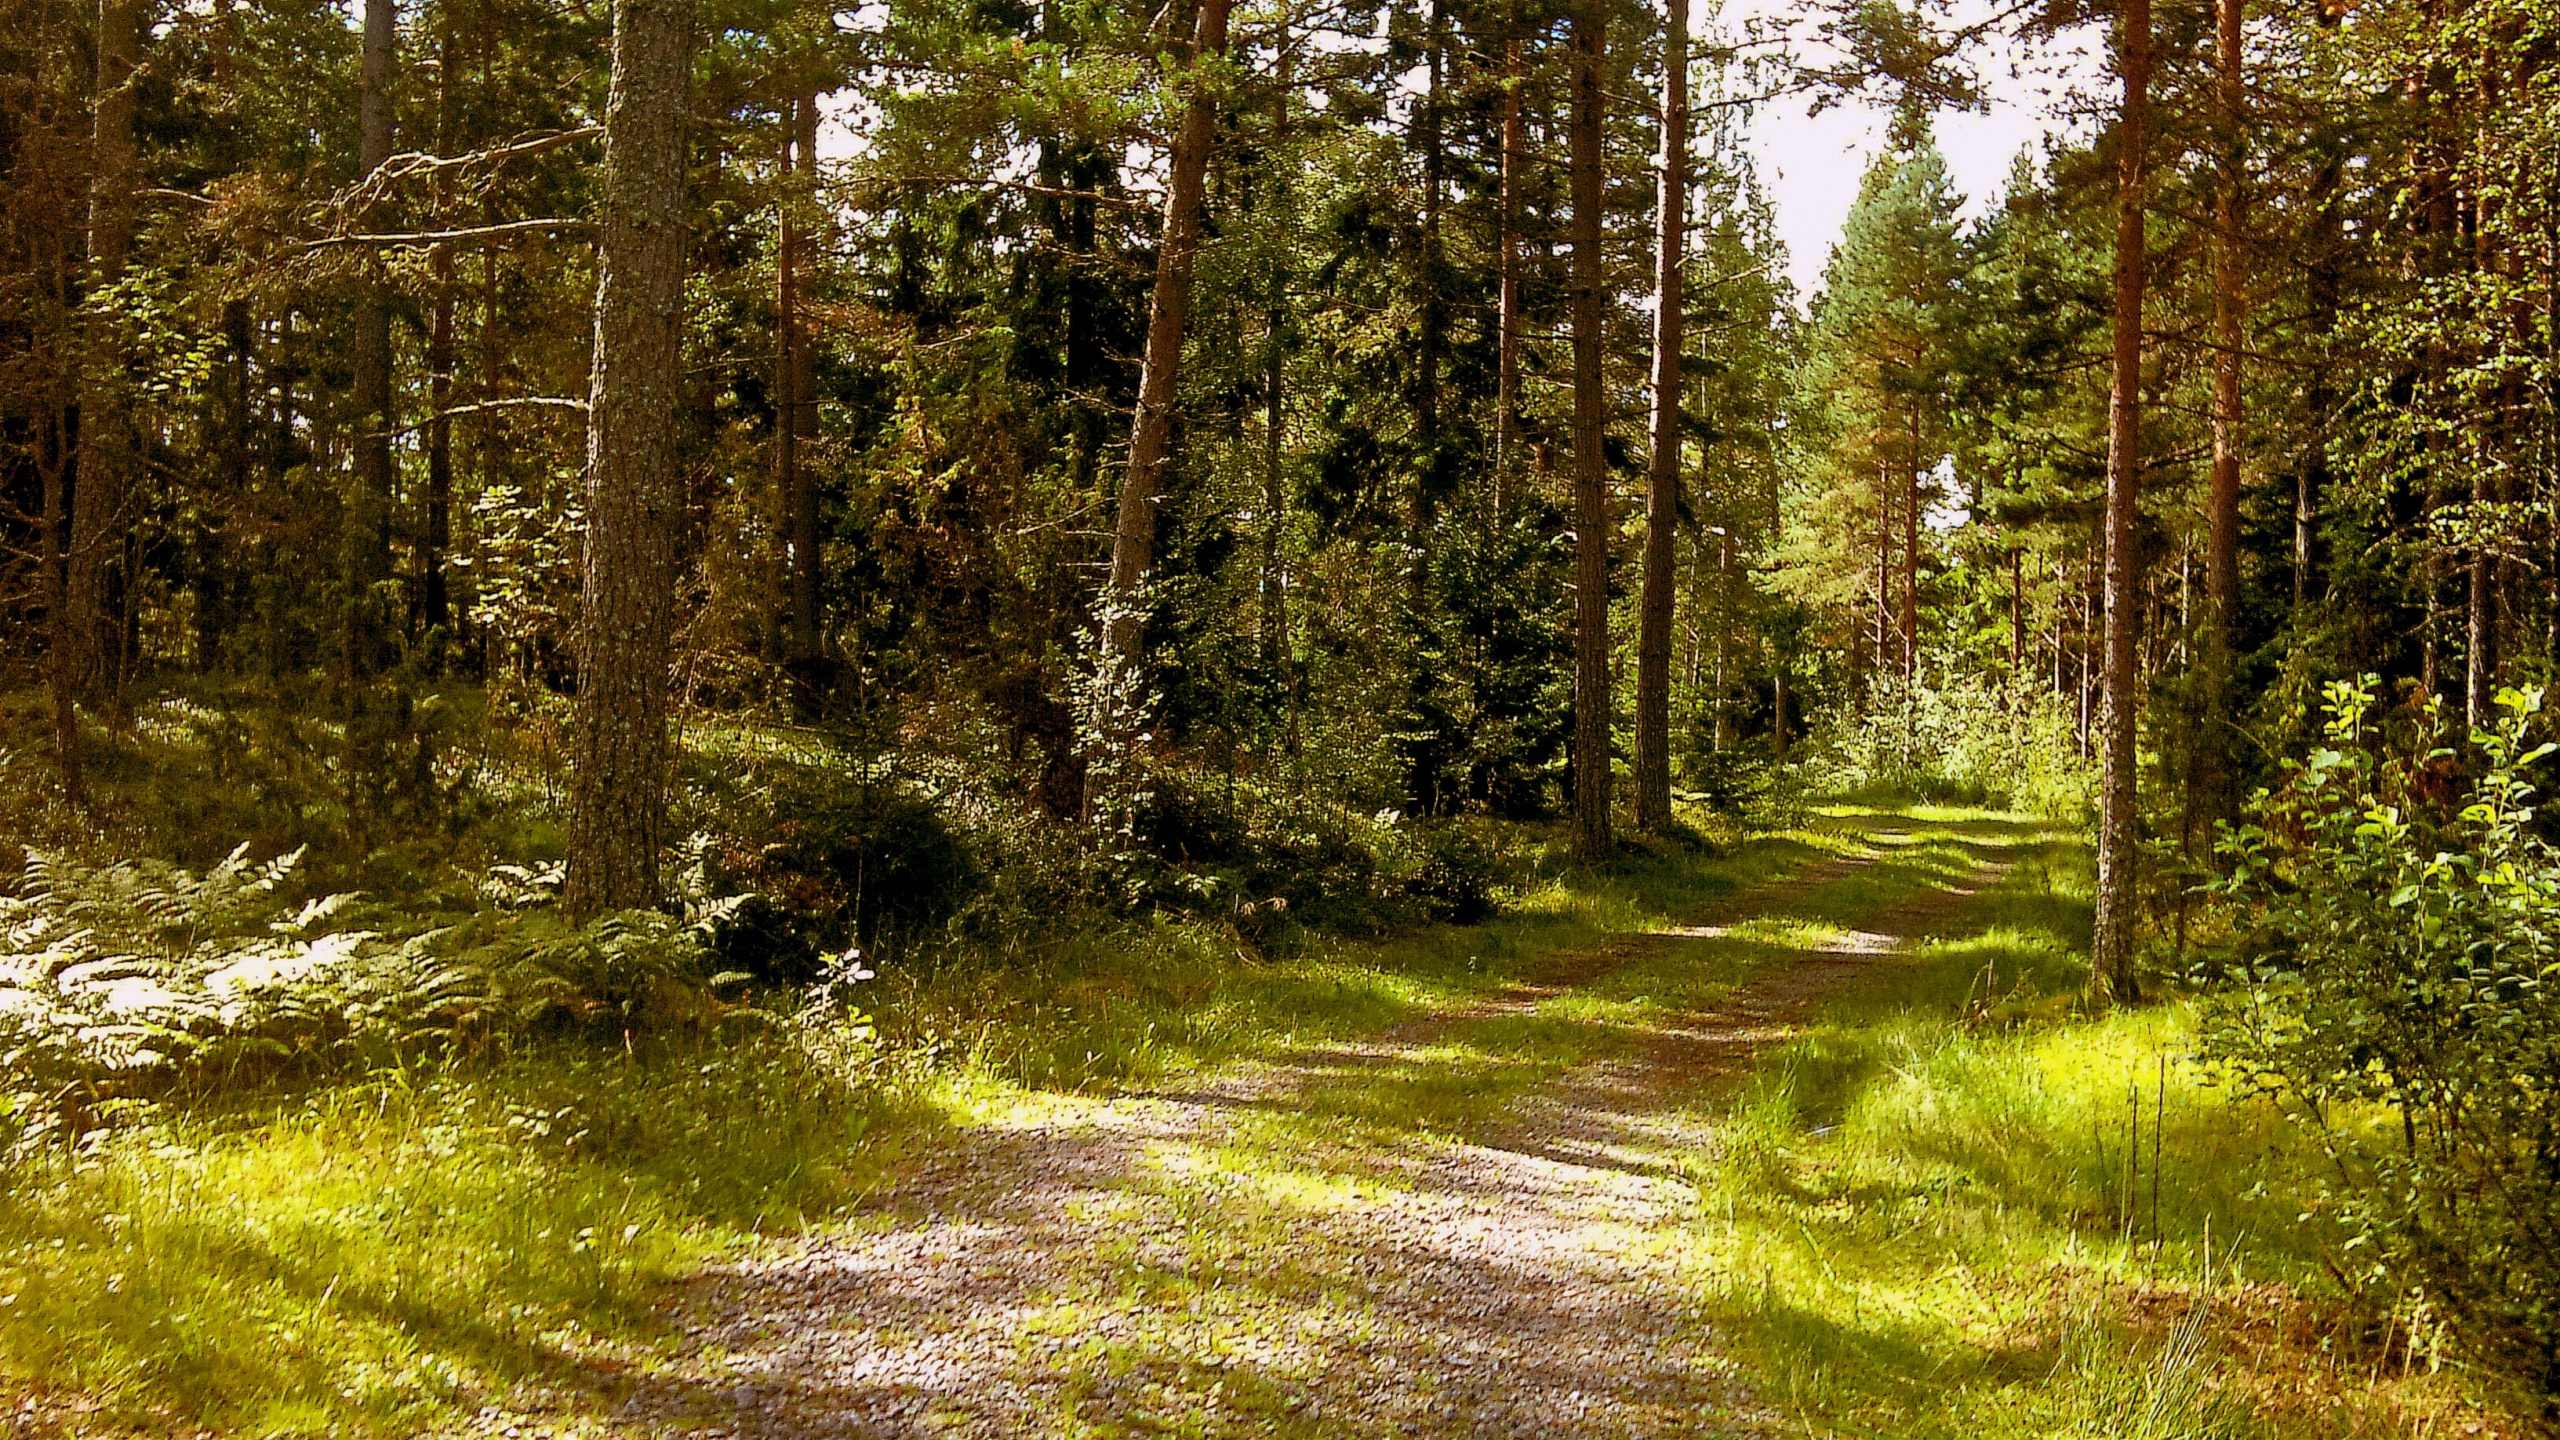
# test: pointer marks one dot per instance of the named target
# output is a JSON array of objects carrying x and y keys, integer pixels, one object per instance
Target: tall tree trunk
[
  {"x": 86, "y": 632},
  {"x": 795, "y": 403},
  {"x": 1433, "y": 320},
  {"x": 2323, "y": 287},
  {"x": 62, "y": 638},
  {"x": 2480, "y": 637},
  {"x": 2017, "y": 619},
  {"x": 635, "y": 483},
  {"x": 365, "y": 561},
  {"x": 1907, "y": 615},
  {"x": 1506, "y": 403},
  {"x": 2222, "y": 559},
  {"x": 807, "y": 559},
  {"x": 1591, "y": 778},
  {"x": 1168, "y": 312},
  {"x": 2112, "y": 974},
  {"x": 436, "y": 609},
  {"x": 2208, "y": 788},
  {"x": 1274, "y": 627},
  {"x": 1662, "y": 477},
  {"x": 1883, "y": 628}
]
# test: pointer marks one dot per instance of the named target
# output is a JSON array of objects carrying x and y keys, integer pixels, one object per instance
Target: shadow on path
[{"x": 1272, "y": 1251}]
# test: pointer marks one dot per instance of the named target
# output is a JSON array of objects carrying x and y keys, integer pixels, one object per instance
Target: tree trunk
[
  {"x": 795, "y": 404},
  {"x": 1433, "y": 320},
  {"x": 1907, "y": 617},
  {"x": 1662, "y": 479},
  {"x": 436, "y": 610},
  {"x": 2222, "y": 561},
  {"x": 1506, "y": 405},
  {"x": 1591, "y": 778},
  {"x": 86, "y": 632},
  {"x": 635, "y": 486},
  {"x": 62, "y": 637},
  {"x": 801, "y": 408},
  {"x": 366, "y": 557},
  {"x": 1274, "y": 628},
  {"x": 1168, "y": 312},
  {"x": 2112, "y": 974},
  {"x": 1778, "y": 718}
]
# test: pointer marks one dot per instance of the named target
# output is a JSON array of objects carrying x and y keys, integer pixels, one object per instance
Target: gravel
[{"x": 1225, "y": 1262}]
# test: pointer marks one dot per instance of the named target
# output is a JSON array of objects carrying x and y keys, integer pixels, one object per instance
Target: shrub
[
  {"x": 2393, "y": 986},
  {"x": 1959, "y": 740},
  {"x": 842, "y": 862}
]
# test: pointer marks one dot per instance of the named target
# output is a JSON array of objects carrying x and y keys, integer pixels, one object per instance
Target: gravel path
[{"x": 1238, "y": 1259}]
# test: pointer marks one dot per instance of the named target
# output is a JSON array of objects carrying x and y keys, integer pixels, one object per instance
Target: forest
[{"x": 1106, "y": 718}]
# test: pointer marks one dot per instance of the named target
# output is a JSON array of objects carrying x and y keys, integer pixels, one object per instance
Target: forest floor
[
  {"x": 1807, "y": 1136},
  {"x": 1439, "y": 1230}
]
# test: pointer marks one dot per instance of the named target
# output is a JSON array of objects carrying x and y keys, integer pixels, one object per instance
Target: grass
[
  {"x": 373, "y": 1256},
  {"x": 378, "y": 1256},
  {"x": 1924, "y": 1215},
  {"x": 1953, "y": 1206}
]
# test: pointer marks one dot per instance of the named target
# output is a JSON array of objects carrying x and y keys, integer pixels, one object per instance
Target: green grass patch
[
  {"x": 380, "y": 1255},
  {"x": 372, "y": 1256},
  {"x": 1954, "y": 1206}
]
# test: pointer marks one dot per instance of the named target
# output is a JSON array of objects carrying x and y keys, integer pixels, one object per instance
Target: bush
[
  {"x": 2393, "y": 985},
  {"x": 841, "y": 862},
  {"x": 1959, "y": 741}
]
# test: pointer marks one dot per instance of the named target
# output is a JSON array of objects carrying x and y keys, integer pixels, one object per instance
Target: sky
[{"x": 1811, "y": 164}]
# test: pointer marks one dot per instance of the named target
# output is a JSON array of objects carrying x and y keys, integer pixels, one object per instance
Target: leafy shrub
[
  {"x": 2394, "y": 986},
  {"x": 842, "y": 861},
  {"x": 1959, "y": 740}
]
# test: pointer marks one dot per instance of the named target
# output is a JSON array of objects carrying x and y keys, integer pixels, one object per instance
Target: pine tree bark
[
  {"x": 88, "y": 634},
  {"x": 1907, "y": 615},
  {"x": 1168, "y": 315},
  {"x": 1433, "y": 319},
  {"x": 365, "y": 560},
  {"x": 2222, "y": 558},
  {"x": 795, "y": 402},
  {"x": 2112, "y": 976},
  {"x": 1662, "y": 477},
  {"x": 436, "y": 608},
  {"x": 1274, "y": 627},
  {"x": 1591, "y": 699},
  {"x": 635, "y": 486},
  {"x": 1506, "y": 403}
]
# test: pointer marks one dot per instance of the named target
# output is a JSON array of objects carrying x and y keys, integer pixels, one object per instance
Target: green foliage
[
  {"x": 2394, "y": 986},
  {"x": 1960, "y": 740},
  {"x": 385, "y": 1255},
  {"x": 140, "y": 974},
  {"x": 843, "y": 862}
]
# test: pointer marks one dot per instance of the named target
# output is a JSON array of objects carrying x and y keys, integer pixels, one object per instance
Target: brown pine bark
[
  {"x": 2222, "y": 549},
  {"x": 1168, "y": 315},
  {"x": 635, "y": 483},
  {"x": 2112, "y": 976},
  {"x": 88, "y": 636},
  {"x": 365, "y": 559},
  {"x": 1433, "y": 326},
  {"x": 795, "y": 402},
  {"x": 436, "y": 608},
  {"x": 1506, "y": 405},
  {"x": 1591, "y": 778},
  {"x": 1662, "y": 477},
  {"x": 1907, "y": 614}
]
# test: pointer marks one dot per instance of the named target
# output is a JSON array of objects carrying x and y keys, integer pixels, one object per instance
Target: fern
[{"x": 118, "y": 975}]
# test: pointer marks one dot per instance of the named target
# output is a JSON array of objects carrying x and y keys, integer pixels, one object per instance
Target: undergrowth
[{"x": 1956, "y": 1206}]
